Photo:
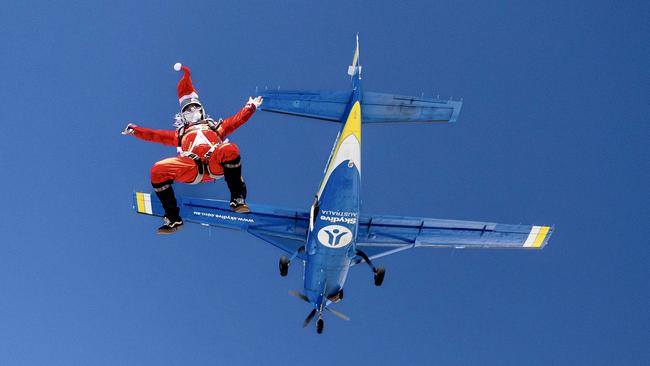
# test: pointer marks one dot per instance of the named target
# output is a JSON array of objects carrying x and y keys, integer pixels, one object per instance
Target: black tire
[
  {"x": 379, "y": 276},
  {"x": 319, "y": 326},
  {"x": 284, "y": 266}
]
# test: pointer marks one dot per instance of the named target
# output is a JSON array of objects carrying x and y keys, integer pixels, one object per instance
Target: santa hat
[{"x": 186, "y": 93}]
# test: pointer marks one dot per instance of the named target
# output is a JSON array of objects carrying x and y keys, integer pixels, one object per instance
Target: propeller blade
[
  {"x": 339, "y": 314},
  {"x": 298, "y": 295},
  {"x": 309, "y": 318}
]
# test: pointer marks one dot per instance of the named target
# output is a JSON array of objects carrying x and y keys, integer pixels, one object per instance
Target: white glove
[
  {"x": 257, "y": 102},
  {"x": 128, "y": 130}
]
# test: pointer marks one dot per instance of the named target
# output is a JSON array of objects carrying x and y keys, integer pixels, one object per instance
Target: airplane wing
[
  {"x": 379, "y": 236},
  {"x": 376, "y": 107},
  {"x": 284, "y": 228}
]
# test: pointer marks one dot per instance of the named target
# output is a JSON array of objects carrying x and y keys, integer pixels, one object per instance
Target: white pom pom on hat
[{"x": 177, "y": 66}]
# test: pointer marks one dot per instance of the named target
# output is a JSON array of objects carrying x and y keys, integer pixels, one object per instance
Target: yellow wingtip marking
[
  {"x": 140, "y": 199},
  {"x": 543, "y": 231}
]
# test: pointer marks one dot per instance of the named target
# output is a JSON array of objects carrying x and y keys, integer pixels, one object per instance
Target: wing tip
[
  {"x": 142, "y": 203},
  {"x": 538, "y": 237}
]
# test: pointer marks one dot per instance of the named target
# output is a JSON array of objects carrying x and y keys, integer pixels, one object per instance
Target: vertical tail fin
[{"x": 355, "y": 68}]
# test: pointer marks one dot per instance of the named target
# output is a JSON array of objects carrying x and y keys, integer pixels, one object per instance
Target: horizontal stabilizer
[
  {"x": 375, "y": 107},
  {"x": 325, "y": 105},
  {"x": 391, "y": 108}
]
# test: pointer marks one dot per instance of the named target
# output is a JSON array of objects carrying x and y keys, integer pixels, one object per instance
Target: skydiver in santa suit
[{"x": 204, "y": 153}]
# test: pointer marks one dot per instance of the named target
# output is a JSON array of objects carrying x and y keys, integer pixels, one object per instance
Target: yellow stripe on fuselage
[
  {"x": 352, "y": 124},
  {"x": 352, "y": 128},
  {"x": 140, "y": 199}
]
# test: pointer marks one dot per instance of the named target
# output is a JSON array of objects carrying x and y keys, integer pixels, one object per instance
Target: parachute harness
[{"x": 201, "y": 164}]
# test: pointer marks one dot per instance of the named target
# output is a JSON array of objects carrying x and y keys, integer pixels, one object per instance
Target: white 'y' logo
[{"x": 335, "y": 236}]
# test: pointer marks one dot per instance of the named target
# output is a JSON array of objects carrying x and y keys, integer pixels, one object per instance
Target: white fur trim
[{"x": 188, "y": 96}]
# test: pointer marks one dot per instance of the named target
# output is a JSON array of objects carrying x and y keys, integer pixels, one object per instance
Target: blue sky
[{"x": 553, "y": 131}]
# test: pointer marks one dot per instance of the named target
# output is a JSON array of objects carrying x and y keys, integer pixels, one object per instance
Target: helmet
[{"x": 190, "y": 101}]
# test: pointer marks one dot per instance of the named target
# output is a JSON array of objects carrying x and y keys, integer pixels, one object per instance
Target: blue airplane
[{"x": 333, "y": 235}]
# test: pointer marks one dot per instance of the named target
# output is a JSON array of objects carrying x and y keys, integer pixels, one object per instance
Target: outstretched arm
[
  {"x": 231, "y": 123},
  {"x": 164, "y": 137}
]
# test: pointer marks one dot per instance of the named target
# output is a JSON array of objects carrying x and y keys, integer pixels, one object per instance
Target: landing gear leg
[
  {"x": 285, "y": 261},
  {"x": 379, "y": 272}
]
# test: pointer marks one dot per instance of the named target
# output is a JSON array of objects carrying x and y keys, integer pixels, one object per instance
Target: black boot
[
  {"x": 172, "y": 220},
  {"x": 236, "y": 185}
]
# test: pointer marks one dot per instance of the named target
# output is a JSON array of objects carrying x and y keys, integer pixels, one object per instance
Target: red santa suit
[
  {"x": 203, "y": 152},
  {"x": 203, "y": 149}
]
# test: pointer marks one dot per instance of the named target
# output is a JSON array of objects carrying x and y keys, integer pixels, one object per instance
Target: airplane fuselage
[{"x": 334, "y": 220}]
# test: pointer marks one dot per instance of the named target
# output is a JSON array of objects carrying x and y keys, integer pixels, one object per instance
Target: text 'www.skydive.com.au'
[{"x": 222, "y": 217}]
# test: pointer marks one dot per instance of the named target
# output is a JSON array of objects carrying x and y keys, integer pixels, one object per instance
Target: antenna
[{"x": 355, "y": 68}]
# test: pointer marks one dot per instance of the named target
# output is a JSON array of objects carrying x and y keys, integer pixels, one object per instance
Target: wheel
[
  {"x": 284, "y": 266},
  {"x": 379, "y": 275},
  {"x": 319, "y": 326},
  {"x": 341, "y": 295}
]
